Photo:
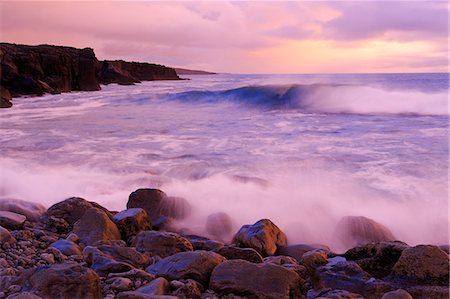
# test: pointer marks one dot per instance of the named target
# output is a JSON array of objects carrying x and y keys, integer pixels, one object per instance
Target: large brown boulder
[
  {"x": 32, "y": 210},
  {"x": 425, "y": 264},
  {"x": 94, "y": 226},
  {"x": 354, "y": 231},
  {"x": 236, "y": 253},
  {"x": 262, "y": 280},
  {"x": 132, "y": 221},
  {"x": 67, "y": 280},
  {"x": 125, "y": 254},
  {"x": 263, "y": 236},
  {"x": 103, "y": 263},
  {"x": 162, "y": 244},
  {"x": 196, "y": 265}
]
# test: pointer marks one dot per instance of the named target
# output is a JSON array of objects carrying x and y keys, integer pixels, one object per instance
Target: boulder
[
  {"x": 23, "y": 295},
  {"x": 102, "y": 263},
  {"x": 162, "y": 244},
  {"x": 202, "y": 243},
  {"x": 158, "y": 286},
  {"x": 67, "y": 247},
  {"x": 263, "y": 236},
  {"x": 125, "y": 254},
  {"x": 67, "y": 280},
  {"x": 33, "y": 211},
  {"x": 334, "y": 294},
  {"x": 188, "y": 288},
  {"x": 288, "y": 263},
  {"x": 137, "y": 295},
  {"x": 11, "y": 220},
  {"x": 261, "y": 280},
  {"x": 397, "y": 294},
  {"x": 425, "y": 264},
  {"x": 219, "y": 225},
  {"x": 196, "y": 265},
  {"x": 354, "y": 231},
  {"x": 94, "y": 226},
  {"x": 131, "y": 222},
  {"x": 5, "y": 98},
  {"x": 297, "y": 251},
  {"x": 233, "y": 253},
  {"x": 377, "y": 259},
  {"x": 6, "y": 237},
  {"x": 120, "y": 284}
]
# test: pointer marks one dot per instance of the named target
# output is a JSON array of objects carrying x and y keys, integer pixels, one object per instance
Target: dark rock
[
  {"x": 162, "y": 244},
  {"x": 6, "y": 237},
  {"x": 137, "y": 295},
  {"x": 5, "y": 98},
  {"x": 134, "y": 274},
  {"x": 115, "y": 243},
  {"x": 131, "y": 222},
  {"x": 297, "y": 251},
  {"x": 233, "y": 253},
  {"x": 425, "y": 264},
  {"x": 428, "y": 292},
  {"x": 445, "y": 248},
  {"x": 289, "y": 263},
  {"x": 189, "y": 289},
  {"x": 11, "y": 220},
  {"x": 121, "y": 284},
  {"x": 263, "y": 236},
  {"x": 377, "y": 259},
  {"x": 125, "y": 254},
  {"x": 219, "y": 225},
  {"x": 103, "y": 263},
  {"x": 196, "y": 265},
  {"x": 397, "y": 294},
  {"x": 354, "y": 231},
  {"x": 202, "y": 243},
  {"x": 262, "y": 280},
  {"x": 158, "y": 286},
  {"x": 94, "y": 226},
  {"x": 67, "y": 247},
  {"x": 23, "y": 295},
  {"x": 334, "y": 294},
  {"x": 67, "y": 280},
  {"x": 33, "y": 211}
]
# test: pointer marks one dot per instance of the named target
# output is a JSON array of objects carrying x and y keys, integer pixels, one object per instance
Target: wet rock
[
  {"x": 121, "y": 284},
  {"x": 428, "y": 292},
  {"x": 32, "y": 211},
  {"x": 202, "y": 243},
  {"x": 263, "y": 236},
  {"x": 115, "y": 243},
  {"x": 262, "y": 280},
  {"x": 67, "y": 280},
  {"x": 397, "y": 294},
  {"x": 125, "y": 254},
  {"x": 131, "y": 222},
  {"x": 423, "y": 264},
  {"x": 354, "y": 231},
  {"x": 66, "y": 247},
  {"x": 6, "y": 237},
  {"x": 158, "y": 286},
  {"x": 377, "y": 259},
  {"x": 94, "y": 226},
  {"x": 134, "y": 274},
  {"x": 103, "y": 263},
  {"x": 162, "y": 244},
  {"x": 11, "y": 220},
  {"x": 334, "y": 294},
  {"x": 297, "y": 251},
  {"x": 189, "y": 289},
  {"x": 23, "y": 295},
  {"x": 289, "y": 263},
  {"x": 233, "y": 253},
  {"x": 196, "y": 265},
  {"x": 219, "y": 225}
]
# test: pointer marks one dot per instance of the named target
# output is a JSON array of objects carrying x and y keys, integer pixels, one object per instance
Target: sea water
[{"x": 301, "y": 150}]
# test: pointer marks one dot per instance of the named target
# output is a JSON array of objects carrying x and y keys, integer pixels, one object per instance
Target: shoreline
[{"x": 138, "y": 253}]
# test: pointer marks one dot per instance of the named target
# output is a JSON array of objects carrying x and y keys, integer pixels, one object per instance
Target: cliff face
[{"x": 36, "y": 70}]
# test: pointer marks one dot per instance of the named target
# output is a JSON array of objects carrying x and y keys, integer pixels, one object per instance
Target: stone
[
  {"x": 158, "y": 286},
  {"x": 67, "y": 247},
  {"x": 263, "y": 236},
  {"x": 132, "y": 221},
  {"x": 314, "y": 259},
  {"x": 121, "y": 284},
  {"x": 137, "y": 295},
  {"x": 189, "y": 289},
  {"x": 162, "y": 244},
  {"x": 103, "y": 263},
  {"x": 196, "y": 265},
  {"x": 6, "y": 237},
  {"x": 397, "y": 294},
  {"x": 5, "y": 98},
  {"x": 125, "y": 254},
  {"x": 289, "y": 263},
  {"x": 233, "y": 253},
  {"x": 11, "y": 220},
  {"x": 134, "y": 274},
  {"x": 48, "y": 257},
  {"x": 31, "y": 210},
  {"x": 296, "y": 251},
  {"x": 202, "y": 243},
  {"x": 263, "y": 280},
  {"x": 94, "y": 226},
  {"x": 377, "y": 259},
  {"x": 219, "y": 225},
  {"x": 354, "y": 231},
  {"x": 67, "y": 280},
  {"x": 426, "y": 264},
  {"x": 334, "y": 294}
]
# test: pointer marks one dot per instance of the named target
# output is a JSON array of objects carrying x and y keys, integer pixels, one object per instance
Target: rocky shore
[
  {"x": 36, "y": 70},
  {"x": 79, "y": 249}
]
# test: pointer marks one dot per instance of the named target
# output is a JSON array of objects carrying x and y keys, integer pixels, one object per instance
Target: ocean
[{"x": 301, "y": 150}]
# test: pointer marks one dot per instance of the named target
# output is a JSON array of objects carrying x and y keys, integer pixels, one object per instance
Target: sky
[{"x": 244, "y": 37}]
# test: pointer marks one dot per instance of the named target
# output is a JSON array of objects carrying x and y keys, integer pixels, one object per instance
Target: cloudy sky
[{"x": 244, "y": 37}]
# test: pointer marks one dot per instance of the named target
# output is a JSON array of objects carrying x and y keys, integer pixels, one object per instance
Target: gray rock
[
  {"x": 263, "y": 236},
  {"x": 11, "y": 220},
  {"x": 262, "y": 280},
  {"x": 132, "y": 221},
  {"x": 196, "y": 265},
  {"x": 67, "y": 247},
  {"x": 94, "y": 226},
  {"x": 162, "y": 244}
]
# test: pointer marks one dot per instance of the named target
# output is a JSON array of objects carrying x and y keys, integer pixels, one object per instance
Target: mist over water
[{"x": 302, "y": 150}]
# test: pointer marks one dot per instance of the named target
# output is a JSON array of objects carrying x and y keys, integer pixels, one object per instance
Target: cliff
[
  {"x": 181, "y": 71},
  {"x": 36, "y": 70}
]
